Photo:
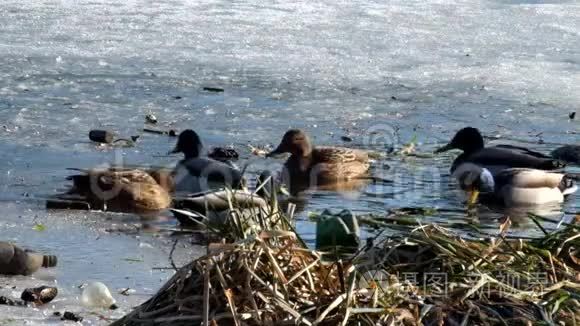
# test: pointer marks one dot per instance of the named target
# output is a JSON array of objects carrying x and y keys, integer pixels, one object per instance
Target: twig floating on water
[{"x": 213, "y": 89}]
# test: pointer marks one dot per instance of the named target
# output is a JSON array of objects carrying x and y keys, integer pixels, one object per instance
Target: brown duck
[
  {"x": 125, "y": 190},
  {"x": 318, "y": 166}
]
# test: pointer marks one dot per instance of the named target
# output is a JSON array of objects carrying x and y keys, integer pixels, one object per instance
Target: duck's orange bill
[{"x": 473, "y": 195}]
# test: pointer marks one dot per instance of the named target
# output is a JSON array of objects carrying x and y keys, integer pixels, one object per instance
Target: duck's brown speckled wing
[
  {"x": 339, "y": 155},
  {"x": 332, "y": 164},
  {"x": 145, "y": 197},
  {"x": 130, "y": 176},
  {"x": 131, "y": 190},
  {"x": 108, "y": 176}
]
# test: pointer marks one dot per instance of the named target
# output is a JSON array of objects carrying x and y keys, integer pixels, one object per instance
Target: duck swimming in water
[
  {"x": 312, "y": 166},
  {"x": 495, "y": 158},
  {"x": 118, "y": 189},
  {"x": 514, "y": 186},
  {"x": 194, "y": 173}
]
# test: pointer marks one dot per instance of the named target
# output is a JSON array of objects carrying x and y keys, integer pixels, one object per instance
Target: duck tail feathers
[
  {"x": 80, "y": 181},
  {"x": 573, "y": 176},
  {"x": 554, "y": 164},
  {"x": 567, "y": 186}
]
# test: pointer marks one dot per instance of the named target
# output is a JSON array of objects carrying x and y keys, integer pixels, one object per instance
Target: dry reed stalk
[{"x": 269, "y": 278}]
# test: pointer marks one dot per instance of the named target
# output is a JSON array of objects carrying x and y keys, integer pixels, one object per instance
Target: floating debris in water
[
  {"x": 337, "y": 231},
  {"x": 171, "y": 132},
  {"x": 126, "y": 291},
  {"x": 572, "y": 115},
  {"x": 346, "y": 138},
  {"x": 11, "y": 302},
  {"x": 97, "y": 295},
  {"x": 133, "y": 260},
  {"x": 108, "y": 137},
  {"x": 71, "y": 316},
  {"x": 150, "y": 118},
  {"x": 101, "y": 136},
  {"x": 67, "y": 204},
  {"x": 17, "y": 261},
  {"x": 123, "y": 142},
  {"x": 258, "y": 151},
  {"x": 223, "y": 154},
  {"x": 40, "y": 295},
  {"x": 213, "y": 89},
  {"x": 39, "y": 227},
  {"x": 407, "y": 149}
]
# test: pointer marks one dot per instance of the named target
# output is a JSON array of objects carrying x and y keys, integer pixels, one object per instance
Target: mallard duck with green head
[
  {"x": 195, "y": 173},
  {"x": 495, "y": 158},
  {"x": 514, "y": 186}
]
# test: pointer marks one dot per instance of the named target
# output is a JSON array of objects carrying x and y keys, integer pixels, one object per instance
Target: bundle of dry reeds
[{"x": 427, "y": 277}]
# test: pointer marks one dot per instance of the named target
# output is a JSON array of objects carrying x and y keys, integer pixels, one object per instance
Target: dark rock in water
[
  {"x": 150, "y": 118},
  {"x": 40, "y": 295},
  {"x": 68, "y": 204},
  {"x": 17, "y": 261},
  {"x": 346, "y": 139},
  {"x": 71, "y": 316},
  {"x": 10, "y": 302},
  {"x": 572, "y": 115},
  {"x": 134, "y": 138},
  {"x": 177, "y": 97},
  {"x": 213, "y": 89},
  {"x": 171, "y": 133},
  {"x": 223, "y": 154},
  {"x": 567, "y": 153},
  {"x": 155, "y": 131},
  {"x": 101, "y": 136}
]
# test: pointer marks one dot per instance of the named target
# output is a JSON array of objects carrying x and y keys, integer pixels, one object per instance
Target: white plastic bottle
[{"x": 97, "y": 295}]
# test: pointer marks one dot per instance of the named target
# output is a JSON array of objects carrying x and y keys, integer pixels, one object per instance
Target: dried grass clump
[
  {"x": 483, "y": 282},
  {"x": 272, "y": 278}
]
